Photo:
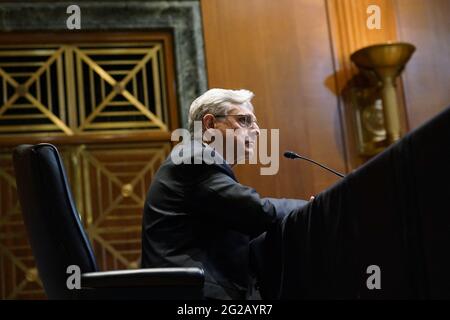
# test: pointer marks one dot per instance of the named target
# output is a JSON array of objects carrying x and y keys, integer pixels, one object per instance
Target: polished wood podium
[{"x": 382, "y": 232}]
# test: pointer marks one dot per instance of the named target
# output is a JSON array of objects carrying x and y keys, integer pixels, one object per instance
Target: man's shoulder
[{"x": 195, "y": 159}]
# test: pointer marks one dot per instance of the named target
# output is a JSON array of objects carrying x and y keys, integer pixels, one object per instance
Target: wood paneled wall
[
  {"x": 294, "y": 54},
  {"x": 426, "y": 80},
  {"x": 281, "y": 51}
]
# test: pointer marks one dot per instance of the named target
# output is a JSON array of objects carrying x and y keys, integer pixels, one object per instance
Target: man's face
[{"x": 244, "y": 131}]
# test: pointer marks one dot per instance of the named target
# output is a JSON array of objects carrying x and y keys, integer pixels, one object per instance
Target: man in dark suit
[{"x": 197, "y": 214}]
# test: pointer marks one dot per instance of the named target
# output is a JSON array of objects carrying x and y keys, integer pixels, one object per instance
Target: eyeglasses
[{"x": 244, "y": 120}]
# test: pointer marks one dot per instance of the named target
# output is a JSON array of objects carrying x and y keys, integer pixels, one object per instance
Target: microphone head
[{"x": 290, "y": 155}]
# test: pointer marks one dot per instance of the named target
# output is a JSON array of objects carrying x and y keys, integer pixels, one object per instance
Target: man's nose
[{"x": 255, "y": 129}]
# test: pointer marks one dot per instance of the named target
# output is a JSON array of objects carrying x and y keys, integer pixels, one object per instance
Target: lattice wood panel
[
  {"x": 78, "y": 91},
  {"x": 109, "y": 183},
  {"x": 81, "y": 88}
]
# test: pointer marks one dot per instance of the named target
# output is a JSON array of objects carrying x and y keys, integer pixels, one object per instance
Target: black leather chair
[{"x": 58, "y": 240}]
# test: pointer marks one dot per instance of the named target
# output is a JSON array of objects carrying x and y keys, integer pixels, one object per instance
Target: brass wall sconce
[{"x": 372, "y": 95}]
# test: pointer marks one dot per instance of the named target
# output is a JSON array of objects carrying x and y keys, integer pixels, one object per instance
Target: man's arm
[
  {"x": 285, "y": 206},
  {"x": 222, "y": 200}
]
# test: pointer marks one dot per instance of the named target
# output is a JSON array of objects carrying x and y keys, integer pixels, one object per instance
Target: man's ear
[{"x": 208, "y": 121}]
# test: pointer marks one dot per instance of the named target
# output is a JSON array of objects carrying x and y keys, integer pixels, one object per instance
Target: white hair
[{"x": 218, "y": 102}]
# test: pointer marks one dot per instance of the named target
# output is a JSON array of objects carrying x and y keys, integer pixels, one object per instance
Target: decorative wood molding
[{"x": 182, "y": 18}]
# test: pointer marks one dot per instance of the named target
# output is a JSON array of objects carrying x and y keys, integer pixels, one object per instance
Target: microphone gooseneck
[{"x": 293, "y": 155}]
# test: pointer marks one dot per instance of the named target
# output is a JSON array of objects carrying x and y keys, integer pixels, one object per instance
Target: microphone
[{"x": 293, "y": 155}]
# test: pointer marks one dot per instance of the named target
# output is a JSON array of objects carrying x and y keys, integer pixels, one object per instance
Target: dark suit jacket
[{"x": 199, "y": 215}]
